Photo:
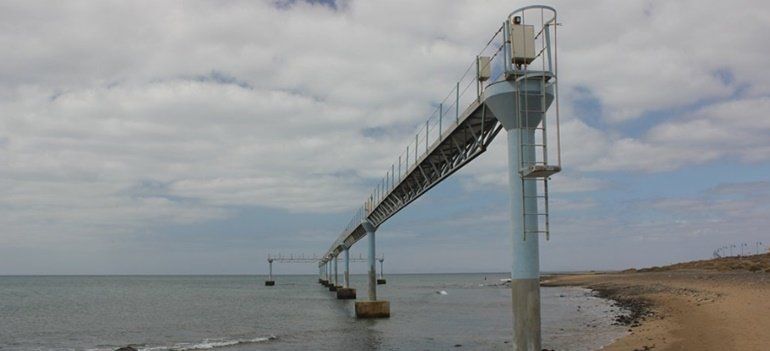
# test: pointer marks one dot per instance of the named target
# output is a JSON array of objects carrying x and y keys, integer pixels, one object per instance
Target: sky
[{"x": 186, "y": 137}]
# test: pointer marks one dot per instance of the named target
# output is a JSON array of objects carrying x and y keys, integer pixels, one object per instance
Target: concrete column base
[
  {"x": 332, "y": 287},
  {"x": 381, "y": 281},
  {"x": 324, "y": 282},
  {"x": 346, "y": 294},
  {"x": 373, "y": 309},
  {"x": 269, "y": 282}
]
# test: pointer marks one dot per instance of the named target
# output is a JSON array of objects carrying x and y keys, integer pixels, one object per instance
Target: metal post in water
[
  {"x": 347, "y": 268},
  {"x": 504, "y": 102},
  {"x": 372, "y": 308},
  {"x": 335, "y": 271},
  {"x": 381, "y": 280},
  {"x": 372, "y": 265},
  {"x": 270, "y": 281},
  {"x": 525, "y": 273}
]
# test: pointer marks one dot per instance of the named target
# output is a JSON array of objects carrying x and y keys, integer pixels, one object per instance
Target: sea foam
[{"x": 208, "y": 344}]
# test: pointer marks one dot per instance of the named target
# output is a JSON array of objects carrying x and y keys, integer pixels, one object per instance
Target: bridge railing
[
  {"x": 467, "y": 90},
  {"x": 444, "y": 116}
]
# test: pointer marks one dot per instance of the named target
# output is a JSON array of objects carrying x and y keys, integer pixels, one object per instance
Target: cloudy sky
[{"x": 197, "y": 137}]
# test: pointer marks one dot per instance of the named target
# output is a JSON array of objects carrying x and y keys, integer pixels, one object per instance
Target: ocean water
[{"x": 240, "y": 313}]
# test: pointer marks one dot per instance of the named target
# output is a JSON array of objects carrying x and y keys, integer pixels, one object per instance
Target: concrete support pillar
[
  {"x": 333, "y": 274},
  {"x": 325, "y": 274},
  {"x": 347, "y": 268},
  {"x": 525, "y": 272},
  {"x": 345, "y": 292},
  {"x": 517, "y": 105},
  {"x": 372, "y": 265},
  {"x": 336, "y": 283},
  {"x": 372, "y": 308}
]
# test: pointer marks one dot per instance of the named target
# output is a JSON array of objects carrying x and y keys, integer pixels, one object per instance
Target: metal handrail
[{"x": 426, "y": 136}]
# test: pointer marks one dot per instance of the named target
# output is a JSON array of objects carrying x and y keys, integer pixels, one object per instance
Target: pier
[
  {"x": 510, "y": 85},
  {"x": 327, "y": 274}
]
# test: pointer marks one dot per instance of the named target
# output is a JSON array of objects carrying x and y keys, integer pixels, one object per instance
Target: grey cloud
[{"x": 121, "y": 117}]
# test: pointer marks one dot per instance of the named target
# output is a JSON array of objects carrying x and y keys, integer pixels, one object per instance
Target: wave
[{"x": 208, "y": 344}]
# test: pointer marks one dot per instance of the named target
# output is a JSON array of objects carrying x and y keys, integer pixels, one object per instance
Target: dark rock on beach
[{"x": 638, "y": 308}]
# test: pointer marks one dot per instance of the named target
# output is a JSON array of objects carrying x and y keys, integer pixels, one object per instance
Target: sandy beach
[{"x": 706, "y": 305}]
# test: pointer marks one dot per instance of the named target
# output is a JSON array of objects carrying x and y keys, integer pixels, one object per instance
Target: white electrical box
[
  {"x": 522, "y": 43},
  {"x": 483, "y": 68}
]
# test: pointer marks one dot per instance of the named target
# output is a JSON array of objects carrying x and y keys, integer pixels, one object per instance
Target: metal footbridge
[
  {"x": 462, "y": 127},
  {"x": 509, "y": 85}
]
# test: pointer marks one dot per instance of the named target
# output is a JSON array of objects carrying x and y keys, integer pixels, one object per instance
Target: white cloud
[
  {"x": 653, "y": 56},
  {"x": 220, "y": 105},
  {"x": 731, "y": 129}
]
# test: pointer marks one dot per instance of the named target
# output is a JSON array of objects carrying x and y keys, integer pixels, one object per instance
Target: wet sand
[{"x": 685, "y": 309}]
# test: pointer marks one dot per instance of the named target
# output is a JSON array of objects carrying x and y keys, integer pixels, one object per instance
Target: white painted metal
[
  {"x": 483, "y": 68},
  {"x": 522, "y": 43},
  {"x": 434, "y": 155},
  {"x": 522, "y": 84}
]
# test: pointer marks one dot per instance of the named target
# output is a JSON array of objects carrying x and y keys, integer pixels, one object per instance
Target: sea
[{"x": 238, "y": 312}]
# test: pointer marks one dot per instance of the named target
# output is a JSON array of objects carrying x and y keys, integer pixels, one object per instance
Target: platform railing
[{"x": 466, "y": 91}]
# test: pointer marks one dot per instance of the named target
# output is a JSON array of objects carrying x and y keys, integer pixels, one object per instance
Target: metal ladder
[{"x": 538, "y": 169}]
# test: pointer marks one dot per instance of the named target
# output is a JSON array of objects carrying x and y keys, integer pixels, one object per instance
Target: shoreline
[{"x": 683, "y": 309}]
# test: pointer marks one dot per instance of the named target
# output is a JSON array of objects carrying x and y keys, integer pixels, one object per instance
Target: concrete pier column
[
  {"x": 336, "y": 283},
  {"x": 347, "y": 268},
  {"x": 333, "y": 282},
  {"x": 326, "y": 274},
  {"x": 516, "y": 104},
  {"x": 270, "y": 281},
  {"x": 345, "y": 292},
  {"x": 525, "y": 272},
  {"x": 372, "y": 308},
  {"x": 370, "y": 230}
]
